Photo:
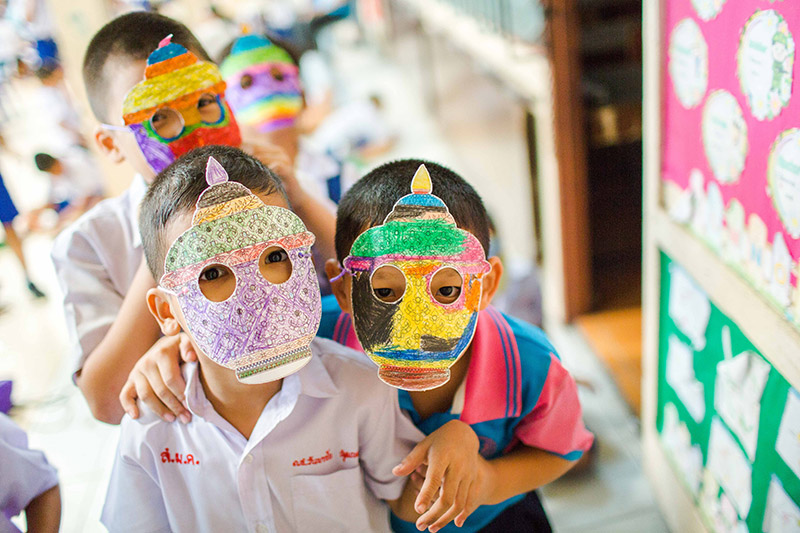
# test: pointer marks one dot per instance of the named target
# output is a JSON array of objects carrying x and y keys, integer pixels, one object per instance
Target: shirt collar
[{"x": 136, "y": 193}]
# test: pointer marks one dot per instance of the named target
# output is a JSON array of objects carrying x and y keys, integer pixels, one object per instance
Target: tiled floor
[{"x": 614, "y": 497}]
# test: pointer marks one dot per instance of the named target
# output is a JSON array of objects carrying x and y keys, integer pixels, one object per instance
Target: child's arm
[
  {"x": 318, "y": 217},
  {"x": 43, "y": 513}
]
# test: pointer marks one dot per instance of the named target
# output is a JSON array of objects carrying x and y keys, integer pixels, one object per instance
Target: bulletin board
[
  {"x": 730, "y": 165},
  {"x": 727, "y": 420}
]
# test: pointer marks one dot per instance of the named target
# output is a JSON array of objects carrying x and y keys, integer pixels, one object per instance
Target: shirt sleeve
[
  {"x": 390, "y": 437},
  {"x": 91, "y": 302},
  {"x": 556, "y": 424},
  {"x": 134, "y": 501},
  {"x": 25, "y": 473}
]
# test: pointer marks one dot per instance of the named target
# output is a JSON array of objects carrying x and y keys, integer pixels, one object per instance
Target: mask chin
[{"x": 274, "y": 368}]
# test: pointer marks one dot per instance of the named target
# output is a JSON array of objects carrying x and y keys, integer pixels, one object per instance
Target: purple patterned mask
[{"x": 263, "y": 328}]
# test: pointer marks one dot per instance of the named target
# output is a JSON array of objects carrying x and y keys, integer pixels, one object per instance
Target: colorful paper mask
[
  {"x": 417, "y": 338},
  {"x": 263, "y": 329},
  {"x": 179, "y": 106},
  {"x": 263, "y": 84}
]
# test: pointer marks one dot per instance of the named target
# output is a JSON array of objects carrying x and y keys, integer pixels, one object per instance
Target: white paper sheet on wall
[
  {"x": 689, "y": 307},
  {"x": 681, "y": 377},
  {"x": 730, "y": 468},
  {"x": 737, "y": 397},
  {"x": 688, "y": 458},
  {"x": 781, "y": 515},
  {"x": 788, "y": 445}
]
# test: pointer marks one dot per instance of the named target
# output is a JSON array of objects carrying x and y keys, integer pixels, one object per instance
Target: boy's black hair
[
  {"x": 132, "y": 36},
  {"x": 44, "y": 162},
  {"x": 176, "y": 188},
  {"x": 47, "y": 70},
  {"x": 372, "y": 197}
]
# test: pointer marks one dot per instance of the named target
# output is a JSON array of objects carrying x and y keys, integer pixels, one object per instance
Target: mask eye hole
[
  {"x": 246, "y": 81},
  {"x": 217, "y": 282},
  {"x": 446, "y": 285},
  {"x": 276, "y": 74},
  {"x": 209, "y": 108},
  {"x": 388, "y": 284},
  {"x": 275, "y": 265},
  {"x": 167, "y": 123}
]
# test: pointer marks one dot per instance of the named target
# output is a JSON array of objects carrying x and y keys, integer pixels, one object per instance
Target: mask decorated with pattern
[
  {"x": 260, "y": 320},
  {"x": 179, "y": 106},
  {"x": 263, "y": 84},
  {"x": 416, "y": 289}
]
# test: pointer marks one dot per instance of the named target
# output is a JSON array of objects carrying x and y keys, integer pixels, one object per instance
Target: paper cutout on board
[
  {"x": 416, "y": 337},
  {"x": 724, "y": 136},
  {"x": 681, "y": 377},
  {"x": 708, "y": 9},
  {"x": 262, "y": 329},
  {"x": 764, "y": 64},
  {"x": 738, "y": 389},
  {"x": 760, "y": 265},
  {"x": 178, "y": 106},
  {"x": 736, "y": 247},
  {"x": 788, "y": 443},
  {"x": 780, "y": 284},
  {"x": 688, "y": 63},
  {"x": 687, "y": 457},
  {"x": 782, "y": 515},
  {"x": 689, "y": 307},
  {"x": 730, "y": 468},
  {"x": 783, "y": 179},
  {"x": 715, "y": 216},
  {"x": 697, "y": 186},
  {"x": 718, "y": 507}
]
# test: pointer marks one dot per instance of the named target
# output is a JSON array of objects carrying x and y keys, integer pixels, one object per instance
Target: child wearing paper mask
[
  {"x": 504, "y": 378},
  {"x": 289, "y": 433},
  {"x": 99, "y": 259}
]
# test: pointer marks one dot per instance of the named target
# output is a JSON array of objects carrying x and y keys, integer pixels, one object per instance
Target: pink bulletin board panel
[{"x": 731, "y": 138}]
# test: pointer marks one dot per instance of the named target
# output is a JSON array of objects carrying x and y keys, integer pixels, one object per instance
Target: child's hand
[
  {"x": 156, "y": 379},
  {"x": 454, "y": 472},
  {"x": 279, "y": 162}
]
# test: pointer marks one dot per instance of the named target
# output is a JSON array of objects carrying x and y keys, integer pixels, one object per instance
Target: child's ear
[
  {"x": 108, "y": 145},
  {"x": 491, "y": 281},
  {"x": 158, "y": 302},
  {"x": 338, "y": 287}
]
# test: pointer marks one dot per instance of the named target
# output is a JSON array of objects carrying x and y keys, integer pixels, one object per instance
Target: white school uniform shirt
[
  {"x": 24, "y": 473},
  {"x": 319, "y": 457},
  {"x": 96, "y": 259}
]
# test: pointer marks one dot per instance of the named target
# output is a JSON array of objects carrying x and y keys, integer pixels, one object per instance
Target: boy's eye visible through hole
[
  {"x": 246, "y": 81},
  {"x": 446, "y": 285},
  {"x": 167, "y": 123},
  {"x": 275, "y": 265},
  {"x": 217, "y": 282},
  {"x": 388, "y": 284},
  {"x": 209, "y": 108},
  {"x": 276, "y": 74}
]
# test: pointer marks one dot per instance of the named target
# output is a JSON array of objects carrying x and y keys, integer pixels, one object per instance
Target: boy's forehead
[{"x": 121, "y": 75}]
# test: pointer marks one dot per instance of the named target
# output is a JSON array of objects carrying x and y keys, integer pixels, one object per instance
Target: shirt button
[{"x": 248, "y": 460}]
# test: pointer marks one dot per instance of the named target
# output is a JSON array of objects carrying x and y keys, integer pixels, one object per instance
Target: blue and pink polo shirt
[{"x": 516, "y": 391}]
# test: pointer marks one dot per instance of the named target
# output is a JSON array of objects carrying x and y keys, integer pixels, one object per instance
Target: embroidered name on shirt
[
  {"x": 178, "y": 458},
  {"x": 311, "y": 460},
  {"x": 347, "y": 455}
]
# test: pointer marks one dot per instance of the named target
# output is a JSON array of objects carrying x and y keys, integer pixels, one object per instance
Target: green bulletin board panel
[{"x": 717, "y": 393}]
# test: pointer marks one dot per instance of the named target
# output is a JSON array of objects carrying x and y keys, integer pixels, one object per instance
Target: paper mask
[
  {"x": 262, "y": 330},
  {"x": 263, "y": 84},
  {"x": 416, "y": 338},
  {"x": 179, "y": 106}
]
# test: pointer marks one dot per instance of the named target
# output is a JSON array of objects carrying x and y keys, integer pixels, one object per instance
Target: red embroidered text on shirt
[
  {"x": 310, "y": 460},
  {"x": 347, "y": 455},
  {"x": 179, "y": 458}
]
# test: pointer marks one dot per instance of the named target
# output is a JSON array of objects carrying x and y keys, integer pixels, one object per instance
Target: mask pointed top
[
  {"x": 165, "y": 41},
  {"x": 215, "y": 173},
  {"x": 421, "y": 183}
]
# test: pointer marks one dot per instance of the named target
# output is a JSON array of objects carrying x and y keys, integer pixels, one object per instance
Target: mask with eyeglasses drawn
[
  {"x": 245, "y": 282},
  {"x": 180, "y": 105},
  {"x": 416, "y": 289}
]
